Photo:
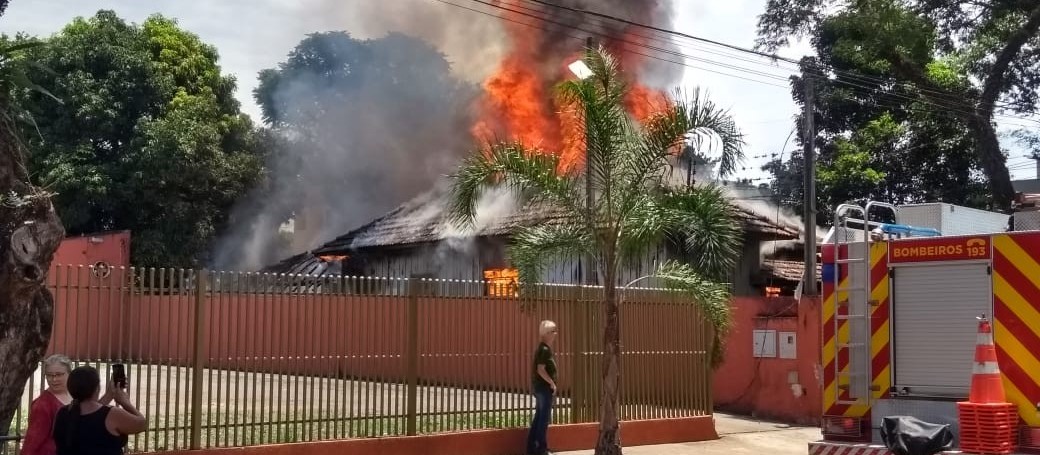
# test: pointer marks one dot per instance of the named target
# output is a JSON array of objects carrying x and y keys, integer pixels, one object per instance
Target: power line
[
  {"x": 625, "y": 49},
  {"x": 529, "y": 12},
  {"x": 670, "y": 32},
  {"x": 947, "y": 96},
  {"x": 880, "y": 97}
]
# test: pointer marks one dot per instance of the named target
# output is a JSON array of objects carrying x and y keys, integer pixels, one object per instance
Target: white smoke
[{"x": 493, "y": 205}]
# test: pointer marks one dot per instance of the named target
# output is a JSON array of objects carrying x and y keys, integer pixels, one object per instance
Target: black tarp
[{"x": 905, "y": 435}]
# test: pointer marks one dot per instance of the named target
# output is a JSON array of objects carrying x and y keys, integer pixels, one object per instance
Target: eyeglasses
[{"x": 54, "y": 375}]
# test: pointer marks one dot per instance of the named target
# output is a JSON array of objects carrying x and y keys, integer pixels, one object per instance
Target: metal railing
[{"x": 219, "y": 359}]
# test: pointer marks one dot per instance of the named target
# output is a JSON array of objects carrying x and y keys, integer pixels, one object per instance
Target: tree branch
[{"x": 998, "y": 73}]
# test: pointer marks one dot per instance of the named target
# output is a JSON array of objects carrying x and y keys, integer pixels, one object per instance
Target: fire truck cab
[{"x": 902, "y": 287}]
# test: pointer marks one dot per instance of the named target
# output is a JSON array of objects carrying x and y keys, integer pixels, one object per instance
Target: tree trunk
[
  {"x": 609, "y": 442},
  {"x": 30, "y": 232},
  {"x": 993, "y": 162}
]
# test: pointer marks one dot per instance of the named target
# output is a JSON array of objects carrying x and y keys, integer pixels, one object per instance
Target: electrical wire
[
  {"x": 627, "y": 46},
  {"x": 875, "y": 96},
  {"x": 543, "y": 16},
  {"x": 948, "y": 95}
]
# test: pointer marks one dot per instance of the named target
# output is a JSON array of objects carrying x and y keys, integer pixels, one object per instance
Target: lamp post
[{"x": 582, "y": 71}]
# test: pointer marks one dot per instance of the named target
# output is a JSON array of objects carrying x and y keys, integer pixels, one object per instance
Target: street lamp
[{"x": 580, "y": 69}]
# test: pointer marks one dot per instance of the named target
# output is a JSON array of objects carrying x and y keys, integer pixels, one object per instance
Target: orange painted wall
[
  {"x": 110, "y": 247},
  {"x": 760, "y": 386}
]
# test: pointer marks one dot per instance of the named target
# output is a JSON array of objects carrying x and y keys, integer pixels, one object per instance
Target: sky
[{"x": 257, "y": 34}]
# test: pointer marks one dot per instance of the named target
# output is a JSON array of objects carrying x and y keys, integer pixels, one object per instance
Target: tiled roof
[
  {"x": 425, "y": 219},
  {"x": 304, "y": 264},
  {"x": 785, "y": 270}
]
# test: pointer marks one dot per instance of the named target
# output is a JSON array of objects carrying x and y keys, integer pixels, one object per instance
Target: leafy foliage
[
  {"x": 149, "y": 138},
  {"x": 939, "y": 69}
]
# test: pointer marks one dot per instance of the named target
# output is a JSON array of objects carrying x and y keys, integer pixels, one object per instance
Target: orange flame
[
  {"x": 332, "y": 257},
  {"x": 501, "y": 282},
  {"x": 517, "y": 102}
]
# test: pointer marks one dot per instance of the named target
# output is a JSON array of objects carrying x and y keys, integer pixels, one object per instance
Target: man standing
[{"x": 543, "y": 383}]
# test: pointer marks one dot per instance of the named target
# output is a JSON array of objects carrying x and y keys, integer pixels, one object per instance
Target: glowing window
[{"x": 501, "y": 282}]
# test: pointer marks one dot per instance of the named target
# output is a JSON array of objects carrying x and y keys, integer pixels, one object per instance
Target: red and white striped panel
[
  {"x": 838, "y": 448},
  {"x": 827, "y": 448}
]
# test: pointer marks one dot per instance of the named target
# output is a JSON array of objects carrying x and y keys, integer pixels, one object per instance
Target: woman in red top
[{"x": 38, "y": 435}]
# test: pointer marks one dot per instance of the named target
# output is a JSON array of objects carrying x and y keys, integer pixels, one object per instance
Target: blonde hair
[
  {"x": 60, "y": 360},
  {"x": 545, "y": 327}
]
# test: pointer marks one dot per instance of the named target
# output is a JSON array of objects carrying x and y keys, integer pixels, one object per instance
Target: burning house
[
  {"x": 516, "y": 102},
  {"x": 418, "y": 239}
]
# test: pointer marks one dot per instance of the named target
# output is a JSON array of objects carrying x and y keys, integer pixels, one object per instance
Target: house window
[{"x": 501, "y": 282}]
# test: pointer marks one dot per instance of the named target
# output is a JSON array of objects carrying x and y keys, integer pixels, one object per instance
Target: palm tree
[{"x": 638, "y": 202}]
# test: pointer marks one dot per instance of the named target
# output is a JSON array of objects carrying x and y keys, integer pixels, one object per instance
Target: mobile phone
[{"x": 119, "y": 375}]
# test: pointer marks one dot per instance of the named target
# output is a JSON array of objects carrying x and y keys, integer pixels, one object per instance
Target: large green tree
[
  {"x": 150, "y": 137},
  {"x": 964, "y": 59},
  {"x": 872, "y": 145},
  {"x": 30, "y": 232},
  {"x": 636, "y": 204}
]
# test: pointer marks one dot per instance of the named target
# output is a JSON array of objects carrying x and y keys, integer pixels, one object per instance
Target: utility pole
[
  {"x": 809, "y": 206},
  {"x": 590, "y": 199}
]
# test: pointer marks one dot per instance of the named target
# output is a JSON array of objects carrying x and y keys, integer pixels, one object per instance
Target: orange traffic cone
[
  {"x": 986, "y": 385},
  {"x": 988, "y": 424}
]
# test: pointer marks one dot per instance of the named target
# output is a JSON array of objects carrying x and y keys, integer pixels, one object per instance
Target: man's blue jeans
[{"x": 536, "y": 444}]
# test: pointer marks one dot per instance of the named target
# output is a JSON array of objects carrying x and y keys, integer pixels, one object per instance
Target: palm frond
[
  {"x": 712, "y": 298},
  {"x": 690, "y": 117},
  {"x": 706, "y": 222},
  {"x": 705, "y": 120},
  {"x": 645, "y": 225},
  {"x": 534, "y": 247},
  {"x": 531, "y": 174}
]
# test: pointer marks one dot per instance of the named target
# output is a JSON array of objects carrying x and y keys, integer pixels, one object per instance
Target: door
[{"x": 934, "y": 311}]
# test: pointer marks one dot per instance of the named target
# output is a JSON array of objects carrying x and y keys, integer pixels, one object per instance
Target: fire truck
[{"x": 902, "y": 290}]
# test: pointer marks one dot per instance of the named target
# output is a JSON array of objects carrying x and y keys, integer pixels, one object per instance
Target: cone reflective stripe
[{"x": 986, "y": 385}]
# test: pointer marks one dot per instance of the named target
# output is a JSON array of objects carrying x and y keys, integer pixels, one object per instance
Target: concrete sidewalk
[{"x": 739, "y": 435}]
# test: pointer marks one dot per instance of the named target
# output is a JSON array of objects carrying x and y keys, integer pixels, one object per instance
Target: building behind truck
[{"x": 902, "y": 290}]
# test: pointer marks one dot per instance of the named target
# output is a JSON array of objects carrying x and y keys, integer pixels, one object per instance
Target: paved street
[{"x": 740, "y": 435}]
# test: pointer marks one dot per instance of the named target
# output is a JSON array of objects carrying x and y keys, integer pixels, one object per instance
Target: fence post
[
  {"x": 578, "y": 383},
  {"x": 412, "y": 354},
  {"x": 708, "y": 391},
  {"x": 197, "y": 361}
]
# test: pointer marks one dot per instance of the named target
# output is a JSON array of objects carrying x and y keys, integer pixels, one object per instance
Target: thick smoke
[
  {"x": 476, "y": 42},
  {"x": 366, "y": 125}
]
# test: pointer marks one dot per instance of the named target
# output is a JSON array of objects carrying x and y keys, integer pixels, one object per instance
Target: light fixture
[{"x": 580, "y": 69}]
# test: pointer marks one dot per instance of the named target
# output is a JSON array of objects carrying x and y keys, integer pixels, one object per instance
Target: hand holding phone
[{"x": 119, "y": 375}]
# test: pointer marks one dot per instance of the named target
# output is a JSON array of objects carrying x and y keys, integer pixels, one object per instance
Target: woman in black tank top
[{"x": 87, "y": 427}]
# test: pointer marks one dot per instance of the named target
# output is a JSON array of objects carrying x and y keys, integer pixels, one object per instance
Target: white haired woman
[
  {"x": 38, "y": 433},
  {"x": 543, "y": 383}
]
